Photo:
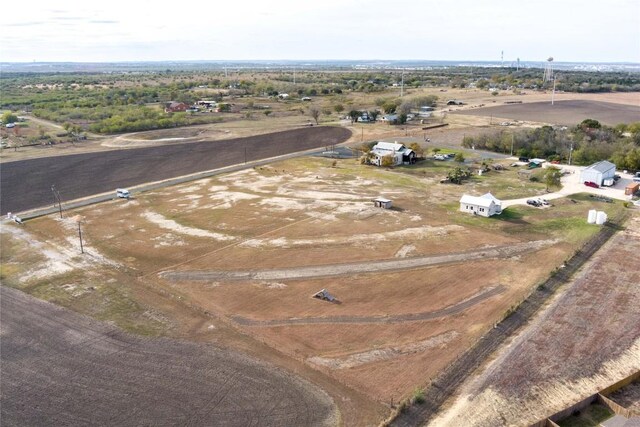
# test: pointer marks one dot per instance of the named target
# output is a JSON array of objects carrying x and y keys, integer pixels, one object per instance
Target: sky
[{"x": 473, "y": 30}]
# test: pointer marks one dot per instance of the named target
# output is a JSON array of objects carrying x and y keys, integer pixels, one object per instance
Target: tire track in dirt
[
  {"x": 400, "y": 318},
  {"x": 356, "y": 268}
]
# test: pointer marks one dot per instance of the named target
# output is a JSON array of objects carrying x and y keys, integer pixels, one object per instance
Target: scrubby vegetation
[{"x": 585, "y": 143}]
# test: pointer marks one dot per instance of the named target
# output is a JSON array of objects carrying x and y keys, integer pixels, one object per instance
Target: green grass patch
[
  {"x": 591, "y": 416},
  {"x": 573, "y": 229}
]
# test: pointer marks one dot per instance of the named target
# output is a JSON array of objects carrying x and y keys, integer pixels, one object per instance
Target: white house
[
  {"x": 486, "y": 205},
  {"x": 400, "y": 153},
  {"x": 598, "y": 172}
]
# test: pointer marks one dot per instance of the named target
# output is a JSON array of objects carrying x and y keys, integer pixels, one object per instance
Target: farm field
[
  {"x": 568, "y": 352},
  {"x": 86, "y": 174},
  {"x": 81, "y": 371},
  {"x": 563, "y": 112},
  {"x": 161, "y": 264}
]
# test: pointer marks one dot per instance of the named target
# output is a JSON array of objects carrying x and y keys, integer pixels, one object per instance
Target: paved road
[
  {"x": 63, "y": 369},
  {"x": 571, "y": 185},
  {"x": 27, "y": 184}
]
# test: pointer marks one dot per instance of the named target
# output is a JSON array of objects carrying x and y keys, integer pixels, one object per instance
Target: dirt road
[
  {"x": 412, "y": 317},
  {"x": 27, "y": 184},
  {"x": 60, "y": 368},
  {"x": 357, "y": 268}
]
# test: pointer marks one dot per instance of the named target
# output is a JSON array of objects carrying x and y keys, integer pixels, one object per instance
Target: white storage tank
[
  {"x": 591, "y": 218},
  {"x": 601, "y": 218}
]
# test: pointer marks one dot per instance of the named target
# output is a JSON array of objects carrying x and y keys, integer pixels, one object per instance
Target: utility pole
[
  {"x": 570, "y": 153},
  {"x": 402, "y": 84},
  {"x": 80, "y": 237},
  {"x": 512, "y": 138},
  {"x": 56, "y": 196}
]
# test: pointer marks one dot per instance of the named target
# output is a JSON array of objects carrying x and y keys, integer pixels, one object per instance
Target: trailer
[{"x": 632, "y": 188}]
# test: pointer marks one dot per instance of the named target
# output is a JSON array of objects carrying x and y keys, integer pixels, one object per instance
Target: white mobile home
[{"x": 486, "y": 205}]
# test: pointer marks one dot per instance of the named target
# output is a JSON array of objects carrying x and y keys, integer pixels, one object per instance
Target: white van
[{"x": 122, "y": 193}]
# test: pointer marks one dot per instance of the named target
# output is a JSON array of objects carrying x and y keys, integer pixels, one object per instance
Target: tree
[
  {"x": 267, "y": 112},
  {"x": 353, "y": 115},
  {"x": 338, "y": 108},
  {"x": 590, "y": 124},
  {"x": 314, "y": 113},
  {"x": 390, "y": 106},
  {"x": 387, "y": 161},
  {"x": 9, "y": 117},
  {"x": 373, "y": 115},
  {"x": 417, "y": 149},
  {"x": 552, "y": 177},
  {"x": 459, "y": 157},
  {"x": 457, "y": 175}
]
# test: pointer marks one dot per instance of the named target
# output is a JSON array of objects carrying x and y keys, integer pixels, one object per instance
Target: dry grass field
[
  {"x": 585, "y": 340},
  {"x": 149, "y": 262}
]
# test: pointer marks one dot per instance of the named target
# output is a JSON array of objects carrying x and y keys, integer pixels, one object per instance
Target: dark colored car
[{"x": 591, "y": 184}]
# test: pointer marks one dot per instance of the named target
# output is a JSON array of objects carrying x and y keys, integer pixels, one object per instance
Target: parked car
[
  {"x": 591, "y": 184},
  {"x": 533, "y": 202}
]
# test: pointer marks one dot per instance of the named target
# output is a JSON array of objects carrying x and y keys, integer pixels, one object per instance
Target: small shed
[
  {"x": 383, "y": 203},
  {"x": 598, "y": 172},
  {"x": 486, "y": 205}
]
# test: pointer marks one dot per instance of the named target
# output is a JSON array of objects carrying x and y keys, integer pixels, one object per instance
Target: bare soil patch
[
  {"x": 568, "y": 112},
  {"x": 82, "y": 175},
  {"x": 62, "y": 368},
  {"x": 311, "y": 213}
]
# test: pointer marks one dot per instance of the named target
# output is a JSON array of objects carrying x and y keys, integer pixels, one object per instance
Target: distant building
[
  {"x": 175, "y": 107},
  {"x": 390, "y": 118},
  {"x": 598, "y": 172},
  {"x": 486, "y": 205},
  {"x": 400, "y": 153}
]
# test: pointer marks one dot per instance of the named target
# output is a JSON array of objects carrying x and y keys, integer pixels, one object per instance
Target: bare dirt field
[
  {"x": 60, "y": 368},
  {"x": 584, "y": 341},
  {"x": 82, "y": 175},
  {"x": 392, "y": 329},
  {"x": 568, "y": 113}
]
